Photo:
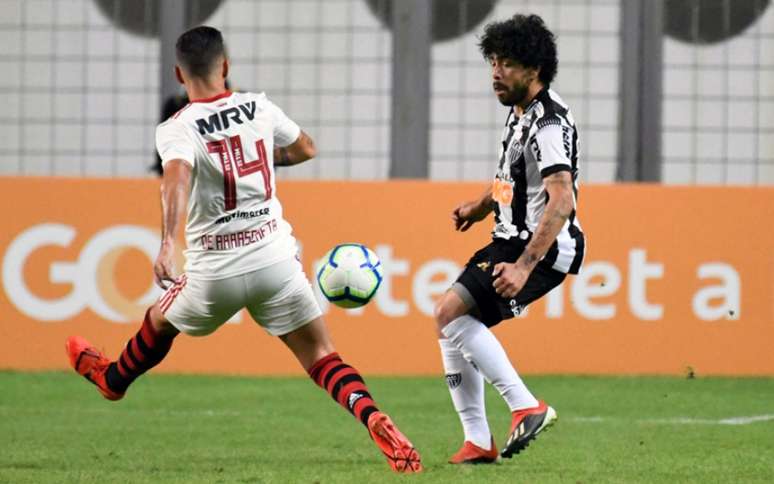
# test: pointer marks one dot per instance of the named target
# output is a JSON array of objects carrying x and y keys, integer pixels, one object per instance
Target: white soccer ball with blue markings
[{"x": 350, "y": 275}]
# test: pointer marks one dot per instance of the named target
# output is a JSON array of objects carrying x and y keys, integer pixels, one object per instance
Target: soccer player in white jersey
[
  {"x": 218, "y": 155},
  {"x": 536, "y": 241}
]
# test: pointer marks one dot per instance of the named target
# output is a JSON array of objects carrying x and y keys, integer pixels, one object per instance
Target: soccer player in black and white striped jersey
[{"x": 537, "y": 238}]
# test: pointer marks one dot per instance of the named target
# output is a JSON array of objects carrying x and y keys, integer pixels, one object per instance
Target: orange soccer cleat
[
  {"x": 525, "y": 425},
  {"x": 89, "y": 362},
  {"x": 400, "y": 453},
  {"x": 470, "y": 453}
]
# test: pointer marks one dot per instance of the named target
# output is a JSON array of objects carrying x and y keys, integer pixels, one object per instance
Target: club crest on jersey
[
  {"x": 223, "y": 119},
  {"x": 483, "y": 265},
  {"x": 515, "y": 150},
  {"x": 454, "y": 380}
]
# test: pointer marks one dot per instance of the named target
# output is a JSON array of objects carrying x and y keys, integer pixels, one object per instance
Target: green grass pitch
[{"x": 54, "y": 427}]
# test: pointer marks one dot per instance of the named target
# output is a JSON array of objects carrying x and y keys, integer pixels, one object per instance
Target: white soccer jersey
[
  {"x": 235, "y": 222},
  {"x": 541, "y": 142}
]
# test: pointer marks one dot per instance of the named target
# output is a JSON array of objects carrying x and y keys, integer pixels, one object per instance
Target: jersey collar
[
  {"x": 227, "y": 93},
  {"x": 540, "y": 96}
]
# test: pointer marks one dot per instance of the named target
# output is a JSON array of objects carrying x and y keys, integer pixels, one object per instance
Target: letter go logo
[{"x": 92, "y": 275}]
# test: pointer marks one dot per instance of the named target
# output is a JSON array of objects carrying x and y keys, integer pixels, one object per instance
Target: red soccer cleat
[
  {"x": 525, "y": 425},
  {"x": 470, "y": 453},
  {"x": 400, "y": 453},
  {"x": 89, "y": 362}
]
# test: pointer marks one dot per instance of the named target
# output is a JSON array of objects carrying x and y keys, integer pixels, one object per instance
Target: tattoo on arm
[
  {"x": 530, "y": 258},
  {"x": 285, "y": 156},
  {"x": 554, "y": 217},
  {"x": 282, "y": 158}
]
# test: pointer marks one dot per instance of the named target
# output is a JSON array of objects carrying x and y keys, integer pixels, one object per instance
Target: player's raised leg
[
  {"x": 466, "y": 387},
  {"x": 312, "y": 345},
  {"x": 146, "y": 349}
]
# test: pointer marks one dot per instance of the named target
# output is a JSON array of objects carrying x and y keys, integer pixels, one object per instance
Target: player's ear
[
  {"x": 534, "y": 73},
  {"x": 179, "y": 74},
  {"x": 225, "y": 67}
]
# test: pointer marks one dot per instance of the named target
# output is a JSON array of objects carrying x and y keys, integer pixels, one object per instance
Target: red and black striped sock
[
  {"x": 345, "y": 385},
  {"x": 144, "y": 351}
]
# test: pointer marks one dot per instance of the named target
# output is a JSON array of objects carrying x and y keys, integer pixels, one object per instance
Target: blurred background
[
  {"x": 674, "y": 101},
  {"x": 677, "y": 94},
  {"x": 672, "y": 91}
]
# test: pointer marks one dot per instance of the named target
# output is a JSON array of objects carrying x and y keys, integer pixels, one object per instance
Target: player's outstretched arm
[
  {"x": 175, "y": 188},
  {"x": 468, "y": 213},
  {"x": 298, "y": 152}
]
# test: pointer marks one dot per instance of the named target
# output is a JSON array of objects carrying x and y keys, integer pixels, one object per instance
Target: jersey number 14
[{"x": 231, "y": 156}]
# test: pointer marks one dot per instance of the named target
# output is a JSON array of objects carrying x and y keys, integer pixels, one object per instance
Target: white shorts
[{"x": 278, "y": 297}]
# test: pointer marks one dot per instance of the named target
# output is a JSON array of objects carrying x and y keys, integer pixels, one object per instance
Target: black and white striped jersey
[{"x": 541, "y": 142}]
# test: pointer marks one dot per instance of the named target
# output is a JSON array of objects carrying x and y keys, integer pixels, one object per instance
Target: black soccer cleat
[{"x": 525, "y": 426}]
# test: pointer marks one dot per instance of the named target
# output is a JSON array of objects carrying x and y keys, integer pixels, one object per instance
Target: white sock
[
  {"x": 466, "y": 386},
  {"x": 480, "y": 347}
]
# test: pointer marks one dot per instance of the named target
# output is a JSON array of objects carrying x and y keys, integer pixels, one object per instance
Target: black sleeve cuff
[{"x": 548, "y": 171}]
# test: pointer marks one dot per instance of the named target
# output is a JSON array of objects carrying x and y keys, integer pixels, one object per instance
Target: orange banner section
[{"x": 674, "y": 278}]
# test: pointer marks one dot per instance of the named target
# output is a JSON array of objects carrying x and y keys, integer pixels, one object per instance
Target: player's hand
[
  {"x": 465, "y": 215},
  {"x": 164, "y": 267},
  {"x": 509, "y": 279}
]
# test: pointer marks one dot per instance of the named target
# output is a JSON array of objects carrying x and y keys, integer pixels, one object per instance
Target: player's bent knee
[
  {"x": 159, "y": 322},
  {"x": 444, "y": 313},
  {"x": 448, "y": 308},
  {"x": 310, "y": 343}
]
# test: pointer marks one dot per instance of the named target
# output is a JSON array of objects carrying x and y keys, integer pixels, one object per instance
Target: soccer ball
[{"x": 350, "y": 275}]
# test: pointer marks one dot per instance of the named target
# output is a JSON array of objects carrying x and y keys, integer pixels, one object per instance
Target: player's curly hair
[{"x": 524, "y": 39}]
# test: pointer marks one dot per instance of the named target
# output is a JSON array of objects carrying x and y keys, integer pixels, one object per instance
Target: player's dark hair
[
  {"x": 524, "y": 39},
  {"x": 198, "y": 49}
]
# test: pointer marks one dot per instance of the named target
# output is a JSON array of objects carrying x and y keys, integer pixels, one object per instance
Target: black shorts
[{"x": 477, "y": 279}]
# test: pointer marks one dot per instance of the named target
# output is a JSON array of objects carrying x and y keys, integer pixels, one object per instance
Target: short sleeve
[
  {"x": 551, "y": 149},
  {"x": 286, "y": 131},
  {"x": 172, "y": 142}
]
